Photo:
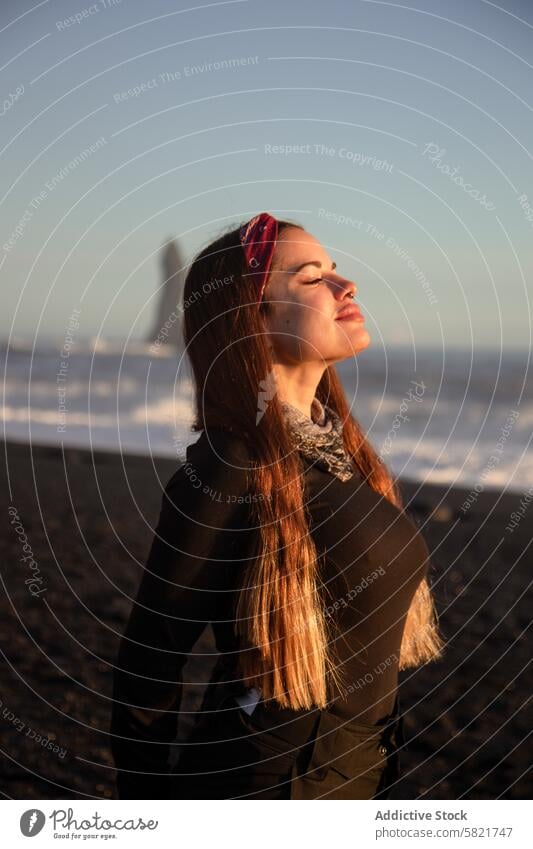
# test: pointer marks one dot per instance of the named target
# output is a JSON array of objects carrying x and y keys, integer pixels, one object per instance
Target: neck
[{"x": 298, "y": 384}]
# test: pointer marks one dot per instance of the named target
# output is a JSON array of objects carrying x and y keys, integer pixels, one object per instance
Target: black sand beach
[{"x": 87, "y": 521}]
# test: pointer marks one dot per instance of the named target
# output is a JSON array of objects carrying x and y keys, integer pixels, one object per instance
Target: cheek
[
  {"x": 303, "y": 322},
  {"x": 307, "y": 321},
  {"x": 287, "y": 317}
]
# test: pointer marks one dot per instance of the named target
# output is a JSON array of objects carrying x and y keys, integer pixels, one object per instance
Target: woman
[{"x": 285, "y": 531}]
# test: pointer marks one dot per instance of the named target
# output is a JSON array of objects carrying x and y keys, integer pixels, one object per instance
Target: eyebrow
[{"x": 314, "y": 262}]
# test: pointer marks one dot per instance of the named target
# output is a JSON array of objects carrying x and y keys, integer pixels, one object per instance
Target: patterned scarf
[{"x": 319, "y": 438}]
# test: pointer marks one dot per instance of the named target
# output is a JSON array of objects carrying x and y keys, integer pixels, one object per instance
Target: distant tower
[{"x": 168, "y": 324}]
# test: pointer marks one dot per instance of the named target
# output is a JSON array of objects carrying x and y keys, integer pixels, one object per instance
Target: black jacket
[{"x": 373, "y": 560}]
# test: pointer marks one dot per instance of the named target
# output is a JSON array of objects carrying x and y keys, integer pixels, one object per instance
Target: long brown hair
[{"x": 280, "y": 617}]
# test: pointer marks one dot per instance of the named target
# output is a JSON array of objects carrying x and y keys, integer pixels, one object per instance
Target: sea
[{"x": 454, "y": 417}]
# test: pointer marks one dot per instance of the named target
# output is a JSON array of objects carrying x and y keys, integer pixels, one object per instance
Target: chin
[
  {"x": 359, "y": 344},
  {"x": 367, "y": 339},
  {"x": 350, "y": 348}
]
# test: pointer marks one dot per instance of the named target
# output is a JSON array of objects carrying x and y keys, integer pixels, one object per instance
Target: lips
[{"x": 349, "y": 312}]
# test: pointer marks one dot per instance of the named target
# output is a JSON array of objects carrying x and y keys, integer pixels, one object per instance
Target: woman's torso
[{"x": 372, "y": 559}]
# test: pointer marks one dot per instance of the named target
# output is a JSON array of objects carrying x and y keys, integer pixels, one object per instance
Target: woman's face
[{"x": 304, "y": 322}]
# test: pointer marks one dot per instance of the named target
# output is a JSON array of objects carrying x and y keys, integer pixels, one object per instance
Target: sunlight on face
[{"x": 306, "y": 294}]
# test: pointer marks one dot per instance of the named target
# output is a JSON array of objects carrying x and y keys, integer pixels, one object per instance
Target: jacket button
[{"x": 383, "y": 750}]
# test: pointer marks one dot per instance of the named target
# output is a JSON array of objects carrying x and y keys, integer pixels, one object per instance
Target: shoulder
[
  {"x": 219, "y": 458},
  {"x": 219, "y": 445}
]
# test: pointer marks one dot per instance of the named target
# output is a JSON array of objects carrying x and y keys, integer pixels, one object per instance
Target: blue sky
[{"x": 398, "y": 134}]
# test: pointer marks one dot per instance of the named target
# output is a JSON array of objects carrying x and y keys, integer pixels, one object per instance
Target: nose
[{"x": 344, "y": 288}]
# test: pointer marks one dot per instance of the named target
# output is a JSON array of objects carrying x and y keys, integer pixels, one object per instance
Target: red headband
[{"x": 258, "y": 239}]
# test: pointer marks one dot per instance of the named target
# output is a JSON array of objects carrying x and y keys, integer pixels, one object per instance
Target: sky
[{"x": 399, "y": 134}]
